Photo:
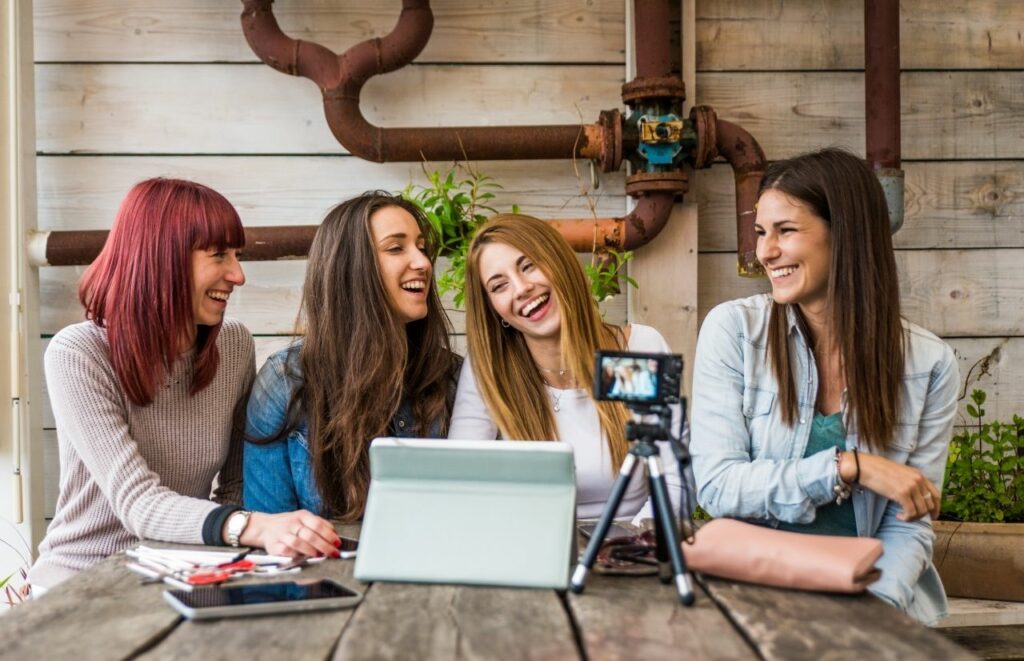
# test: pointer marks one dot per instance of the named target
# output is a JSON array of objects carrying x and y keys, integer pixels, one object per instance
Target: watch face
[{"x": 236, "y": 524}]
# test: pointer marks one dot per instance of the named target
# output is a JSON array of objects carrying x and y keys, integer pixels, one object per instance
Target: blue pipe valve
[{"x": 661, "y": 139}]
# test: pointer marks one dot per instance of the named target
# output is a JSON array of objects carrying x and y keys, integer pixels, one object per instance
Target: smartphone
[
  {"x": 261, "y": 599},
  {"x": 348, "y": 548}
]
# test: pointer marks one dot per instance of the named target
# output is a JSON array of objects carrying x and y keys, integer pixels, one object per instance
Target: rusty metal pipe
[
  {"x": 653, "y": 38},
  {"x": 882, "y": 100},
  {"x": 639, "y": 227},
  {"x": 882, "y": 82},
  {"x": 648, "y": 218},
  {"x": 748, "y": 162},
  {"x": 341, "y": 79}
]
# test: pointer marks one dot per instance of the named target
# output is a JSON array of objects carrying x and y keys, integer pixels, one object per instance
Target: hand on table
[{"x": 292, "y": 534}]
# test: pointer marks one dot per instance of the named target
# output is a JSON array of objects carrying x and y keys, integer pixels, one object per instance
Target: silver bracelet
[{"x": 842, "y": 490}]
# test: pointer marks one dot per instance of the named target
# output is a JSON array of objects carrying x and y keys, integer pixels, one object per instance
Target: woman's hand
[
  {"x": 906, "y": 485},
  {"x": 291, "y": 533}
]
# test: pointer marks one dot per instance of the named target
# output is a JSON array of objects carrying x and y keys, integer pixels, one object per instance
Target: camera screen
[
  {"x": 261, "y": 594},
  {"x": 627, "y": 378}
]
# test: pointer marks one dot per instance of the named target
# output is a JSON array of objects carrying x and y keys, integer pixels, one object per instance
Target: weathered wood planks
[
  {"x": 789, "y": 625},
  {"x": 640, "y": 618},
  {"x": 829, "y": 34},
  {"x": 202, "y": 31},
  {"x": 252, "y": 109},
  {"x": 953, "y": 293},
  {"x": 796, "y": 34},
  {"x": 105, "y": 613},
  {"x": 99, "y": 614},
  {"x": 83, "y": 192},
  {"x": 945, "y": 115},
  {"x": 458, "y": 622},
  {"x": 948, "y": 204}
]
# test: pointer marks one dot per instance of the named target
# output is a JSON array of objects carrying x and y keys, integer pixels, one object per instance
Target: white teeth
[
  {"x": 218, "y": 295},
  {"x": 414, "y": 285},
  {"x": 533, "y": 305},
  {"x": 778, "y": 273}
]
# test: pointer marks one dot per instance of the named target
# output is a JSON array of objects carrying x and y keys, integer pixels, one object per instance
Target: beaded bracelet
[{"x": 842, "y": 490}]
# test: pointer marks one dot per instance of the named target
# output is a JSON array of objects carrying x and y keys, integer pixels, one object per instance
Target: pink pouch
[{"x": 755, "y": 554}]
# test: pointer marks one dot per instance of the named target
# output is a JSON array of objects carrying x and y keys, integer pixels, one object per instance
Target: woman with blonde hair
[{"x": 533, "y": 330}]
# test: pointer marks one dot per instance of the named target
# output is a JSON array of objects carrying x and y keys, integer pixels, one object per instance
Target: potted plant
[
  {"x": 458, "y": 201},
  {"x": 979, "y": 546}
]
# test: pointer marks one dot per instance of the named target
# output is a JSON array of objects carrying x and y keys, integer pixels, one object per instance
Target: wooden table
[{"x": 104, "y": 613}]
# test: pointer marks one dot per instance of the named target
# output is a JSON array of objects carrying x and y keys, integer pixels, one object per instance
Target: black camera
[{"x": 638, "y": 378}]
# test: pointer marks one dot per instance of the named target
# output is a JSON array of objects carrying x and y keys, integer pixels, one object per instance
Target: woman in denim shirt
[
  {"x": 819, "y": 409},
  {"x": 375, "y": 360}
]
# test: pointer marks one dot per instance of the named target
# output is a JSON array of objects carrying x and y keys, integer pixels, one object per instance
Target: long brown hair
[
  {"x": 358, "y": 360},
  {"x": 505, "y": 372},
  {"x": 140, "y": 286},
  {"x": 863, "y": 300}
]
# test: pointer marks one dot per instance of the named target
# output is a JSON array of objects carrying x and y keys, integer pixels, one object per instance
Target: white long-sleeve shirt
[{"x": 579, "y": 425}]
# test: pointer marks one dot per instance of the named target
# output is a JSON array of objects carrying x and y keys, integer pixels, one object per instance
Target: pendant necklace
[
  {"x": 561, "y": 372},
  {"x": 556, "y": 396}
]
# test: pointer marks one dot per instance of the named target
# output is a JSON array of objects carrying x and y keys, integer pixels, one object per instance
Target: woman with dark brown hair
[
  {"x": 374, "y": 360},
  {"x": 818, "y": 408}
]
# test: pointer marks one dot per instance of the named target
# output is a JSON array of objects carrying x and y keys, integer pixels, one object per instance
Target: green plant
[
  {"x": 456, "y": 203},
  {"x": 605, "y": 269},
  {"x": 985, "y": 470}
]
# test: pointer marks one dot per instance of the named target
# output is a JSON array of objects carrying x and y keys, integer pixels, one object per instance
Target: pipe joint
[
  {"x": 642, "y": 183},
  {"x": 892, "y": 180},
  {"x": 609, "y": 138},
  {"x": 640, "y": 91}
]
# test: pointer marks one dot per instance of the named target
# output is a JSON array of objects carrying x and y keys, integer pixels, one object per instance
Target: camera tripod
[{"x": 668, "y": 551}]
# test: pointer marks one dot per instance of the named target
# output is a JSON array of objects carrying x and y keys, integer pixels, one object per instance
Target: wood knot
[{"x": 990, "y": 198}]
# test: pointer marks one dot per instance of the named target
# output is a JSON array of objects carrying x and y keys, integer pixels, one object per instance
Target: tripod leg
[
  {"x": 661, "y": 549},
  {"x": 670, "y": 534},
  {"x": 579, "y": 576}
]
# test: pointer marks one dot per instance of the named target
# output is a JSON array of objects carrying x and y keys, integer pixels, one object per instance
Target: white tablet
[
  {"x": 261, "y": 599},
  {"x": 469, "y": 512}
]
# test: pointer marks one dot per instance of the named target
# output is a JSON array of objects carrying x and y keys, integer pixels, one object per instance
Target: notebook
[{"x": 469, "y": 512}]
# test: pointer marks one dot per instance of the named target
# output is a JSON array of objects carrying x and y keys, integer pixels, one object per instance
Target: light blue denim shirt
[
  {"x": 278, "y": 476},
  {"x": 749, "y": 465}
]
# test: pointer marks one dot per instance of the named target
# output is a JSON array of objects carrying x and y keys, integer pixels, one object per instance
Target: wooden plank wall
[
  {"x": 791, "y": 72},
  {"x": 128, "y": 89},
  {"x": 133, "y": 88}
]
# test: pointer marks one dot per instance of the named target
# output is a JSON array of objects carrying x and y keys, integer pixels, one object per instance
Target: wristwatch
[{"x": 236, "y": 525}]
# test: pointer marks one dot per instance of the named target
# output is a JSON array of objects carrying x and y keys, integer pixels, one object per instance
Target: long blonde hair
[{"x": 506, "y": 374}]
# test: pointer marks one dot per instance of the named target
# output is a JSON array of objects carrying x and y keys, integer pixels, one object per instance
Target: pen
[{"x": 150, "y": 573}]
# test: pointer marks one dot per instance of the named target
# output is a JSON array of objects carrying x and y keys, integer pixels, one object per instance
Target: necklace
[
  {"x": 561, "y": 372},
  {"x": 556, "y": 396}
]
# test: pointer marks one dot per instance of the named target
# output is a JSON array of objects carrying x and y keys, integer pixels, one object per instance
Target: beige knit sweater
[{"x": 130, "y": 472}]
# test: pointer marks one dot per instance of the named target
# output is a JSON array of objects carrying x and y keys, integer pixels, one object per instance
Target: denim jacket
[
  {"x": 748, "y": 464},
  {"x": 278, "y": 476}
]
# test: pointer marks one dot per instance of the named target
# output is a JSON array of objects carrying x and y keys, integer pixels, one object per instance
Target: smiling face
[
  {"x": 520, "y": 292},
  {"x": 215, "y": 274},
  {"x": 405, "y": 268},
  {"x": 795, "y": 247}
]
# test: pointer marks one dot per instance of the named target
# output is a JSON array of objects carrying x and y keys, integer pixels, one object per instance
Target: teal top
[{"x": 831, "y": 519}]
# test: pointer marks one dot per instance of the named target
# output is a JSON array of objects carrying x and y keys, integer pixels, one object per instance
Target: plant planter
[{"x": 981, "y": 560}]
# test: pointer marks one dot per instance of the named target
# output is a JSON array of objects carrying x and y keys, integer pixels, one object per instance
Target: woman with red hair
[{"x": 149, "y": 392}]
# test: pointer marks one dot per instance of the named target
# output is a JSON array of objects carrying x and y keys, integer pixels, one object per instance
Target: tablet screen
[{"x": 266, "y": 593}]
